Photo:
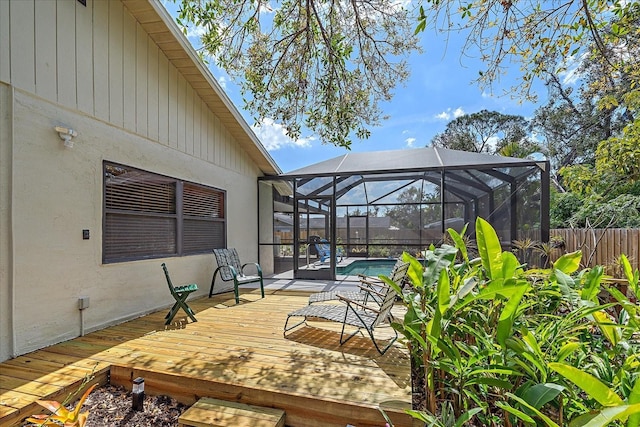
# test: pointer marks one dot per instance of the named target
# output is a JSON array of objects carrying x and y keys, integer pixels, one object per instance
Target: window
[{"x": 147, "y": 215}]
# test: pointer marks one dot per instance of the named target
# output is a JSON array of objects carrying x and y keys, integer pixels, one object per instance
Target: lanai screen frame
[{"x": 467, "y": 178}]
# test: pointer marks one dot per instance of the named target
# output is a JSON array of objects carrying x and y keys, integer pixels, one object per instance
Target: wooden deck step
[{"x": 208, "y": 412}]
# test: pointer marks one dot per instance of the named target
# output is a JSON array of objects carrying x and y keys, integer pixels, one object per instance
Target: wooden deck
[{"x": 235, "y": 353}]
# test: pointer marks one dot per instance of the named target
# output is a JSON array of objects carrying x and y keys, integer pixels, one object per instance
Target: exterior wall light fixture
[{"x": 66, "y": 134}]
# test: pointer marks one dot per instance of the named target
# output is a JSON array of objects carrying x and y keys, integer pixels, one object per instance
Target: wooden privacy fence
[{"x": 602, "y": 246}]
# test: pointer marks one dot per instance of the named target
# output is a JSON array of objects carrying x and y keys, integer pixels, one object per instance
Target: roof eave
[{"x": 162, "y": 29}]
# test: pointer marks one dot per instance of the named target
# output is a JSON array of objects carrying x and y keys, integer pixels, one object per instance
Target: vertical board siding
[
  {"x": 197, "y": 114},
  {"x": 5, "y": 43},
  {"x": 66, "y": 53},
  {"x": 116, "y": 64},
  {"x": 129, "y": 67},
  {"x": 188, "y": 119},
  {"x": 141, "y": 81},
  {"x": 84, "y": 49},
  {"x": 101, "y": 59},
  {"x": 601, "y": 246},
  {"x": 182, "y": 94},
  {"x": 22, "y": 39},
  {"x": 152, "y": 95},
  {"x": 98, "y": 59},
  {"x": 46, "y": 61},
  {"x": 163, "y": 99},
  {"x": 173, "y": 107}
]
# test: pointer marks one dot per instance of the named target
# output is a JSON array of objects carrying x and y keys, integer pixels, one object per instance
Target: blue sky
[{"x": 439, "y": 89}]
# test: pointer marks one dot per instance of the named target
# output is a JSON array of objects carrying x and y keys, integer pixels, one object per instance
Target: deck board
[{"x": 234, "y": 352}]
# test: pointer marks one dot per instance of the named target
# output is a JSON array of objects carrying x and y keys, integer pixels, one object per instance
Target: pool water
[{"x": 368, "y": 267}]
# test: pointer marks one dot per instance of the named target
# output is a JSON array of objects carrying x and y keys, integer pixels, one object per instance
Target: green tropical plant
[{"x": 492, "y": 341}]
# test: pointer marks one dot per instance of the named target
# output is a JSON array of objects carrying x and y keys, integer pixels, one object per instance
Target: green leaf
[
  {"x": 469, "y": 284},
  {"x": 443, "y": 292},
  {"x": 540, "y": 394},
  {"x": 437, "y": 260},
  {"x": 415, "y": 272},
  {"x": 467, "y": 416},
  {"x": 608, "y": 415},
  {"x": 632, "y": 276},
  {"x": 626, "y": 267},
  {"x": 508, "y": 315},
  {"x": 567, "y": 349},
  {"x": 518, "y": 413},
  {"x": 488, "y": 247},
  {"x": 424, "y": 417},
  {"x": 539, "y": 414},
  {"x": 493, "y": 382},
  {"x": 592, "y": 284},
  {"x": 459, "y": 241},
  {"x": 634, "y": 399},
  {"x": 588, "y": 383},
  {"x": 608, "y": 328},
  {"x": 568, "y": 263},
  {"x": 509, "y": 265}
]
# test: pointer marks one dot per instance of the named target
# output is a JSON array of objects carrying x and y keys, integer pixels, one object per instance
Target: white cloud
[
  {"x": 448, "y": 114},
  {"x": 222, "y": 80},
  {"x": 274, "y": 136},
  {"x": 493, "y": 142},
  {"x": 571, "y": 75},
  {"x": 410, "y": 141}
]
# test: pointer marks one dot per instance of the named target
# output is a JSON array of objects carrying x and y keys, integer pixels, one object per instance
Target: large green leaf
[
  {"x": 568, "y": 263},
  {"x": 567, "y": 349},
  {"x": 588, "y": 383},
  {"x": 592, "y": 284},
  {"x": 541, "y": 394},
  {"x": 459, "y": 241},
  {"x": 509, "y": 265},
  {"x": 488, "y": 247},
  {"x": 631, "y": 276},
  {"x": 437, "y": 260},
  {"x": 539, "y": 414},
  {"x": 518, "y": 413},
  {"x": 608, "y": 415},
  {"x": 467, "y": 416},
  {"x": 444, "y": 297},
  {"x": 415, "y": 272},
  {"x": 609, "y": 329},
  {"x": 509, "y": 312},
  {"x": 634, "y": 399}
]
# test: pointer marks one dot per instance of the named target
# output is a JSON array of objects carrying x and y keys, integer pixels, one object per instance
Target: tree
[
  {"x": 539, "y": 36},
  {"x": 406, "y": 214},
  {"x": 487, "y": 132},
  {"x": 324, "y": 65},
  {"x": 328, "y": 65},
  {"x": 577, "y": 117}
]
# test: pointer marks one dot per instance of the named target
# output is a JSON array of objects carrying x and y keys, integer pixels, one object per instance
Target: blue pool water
[{"x": 368, "y": 267}]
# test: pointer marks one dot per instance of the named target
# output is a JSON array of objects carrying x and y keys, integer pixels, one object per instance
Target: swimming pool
[{"x": 368, "y": 267}]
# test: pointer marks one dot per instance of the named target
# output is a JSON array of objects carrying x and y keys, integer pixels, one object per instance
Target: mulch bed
[{"x": 110, "y": 406}]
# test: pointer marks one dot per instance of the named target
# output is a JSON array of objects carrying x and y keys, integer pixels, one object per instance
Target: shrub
[{"x": 501, "y": 345}]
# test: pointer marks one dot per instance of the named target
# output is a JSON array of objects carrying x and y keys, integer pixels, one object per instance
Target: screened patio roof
[
  {"x": 469, "y": 175},
  {"x": 397, "y": 161}
]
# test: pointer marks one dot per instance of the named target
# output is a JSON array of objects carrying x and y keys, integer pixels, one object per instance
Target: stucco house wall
[{"x": 100, "y": 70}]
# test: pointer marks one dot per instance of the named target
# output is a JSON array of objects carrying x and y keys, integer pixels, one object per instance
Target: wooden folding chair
[{"x": 180, "y": 294}]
